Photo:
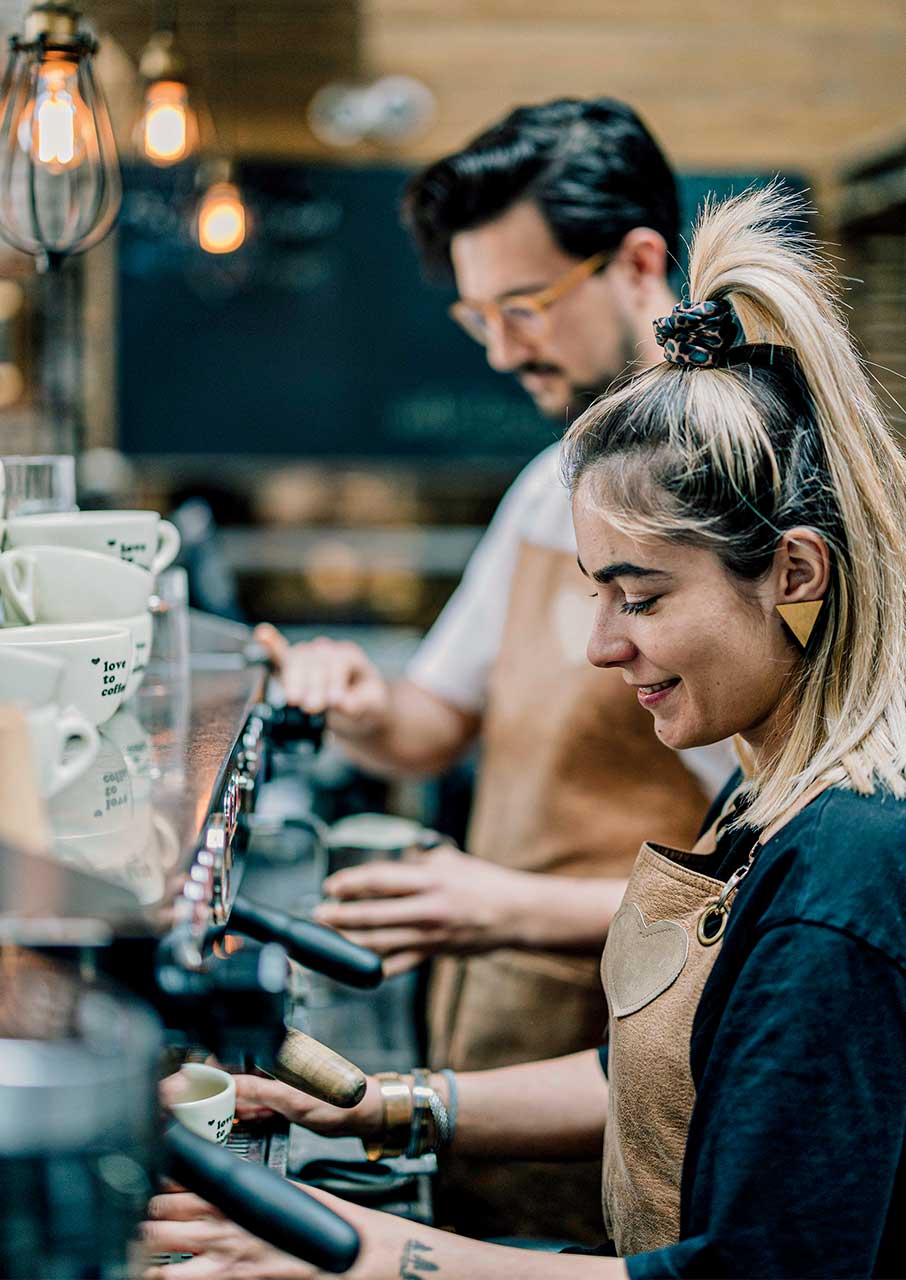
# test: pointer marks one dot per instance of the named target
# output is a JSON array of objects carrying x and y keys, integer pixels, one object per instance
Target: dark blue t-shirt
[{"x": 795, "y": 1165}]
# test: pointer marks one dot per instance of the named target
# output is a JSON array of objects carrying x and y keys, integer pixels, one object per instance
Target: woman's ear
[{"x": 801, "y": 567}]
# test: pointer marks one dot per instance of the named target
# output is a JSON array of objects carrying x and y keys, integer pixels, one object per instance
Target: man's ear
[
  {"x": 644, "y": 253},
  {"x": 801, "y": 567}
]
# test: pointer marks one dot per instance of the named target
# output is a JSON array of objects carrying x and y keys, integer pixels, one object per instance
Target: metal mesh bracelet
[
  {"x": 441, "y": 1121},
  {"x": 452, "y": 1102}
]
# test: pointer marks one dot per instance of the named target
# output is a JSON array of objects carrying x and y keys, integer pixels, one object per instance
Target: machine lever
[
  {"x": 272, "y": 1208},
  {"x": 313, "y": 945}
]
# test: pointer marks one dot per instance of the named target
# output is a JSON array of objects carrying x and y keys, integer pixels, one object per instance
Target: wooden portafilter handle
[{"x": 309, "y": 1065}]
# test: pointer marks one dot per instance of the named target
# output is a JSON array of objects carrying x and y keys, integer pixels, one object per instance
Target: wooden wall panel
[{"x": 800, "y": 84}]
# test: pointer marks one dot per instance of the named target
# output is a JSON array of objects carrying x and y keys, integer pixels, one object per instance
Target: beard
[{"x": 581, "y": 395}]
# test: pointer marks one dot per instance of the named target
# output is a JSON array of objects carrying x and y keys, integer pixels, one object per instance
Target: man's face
[{"x": 589, "y": 335}]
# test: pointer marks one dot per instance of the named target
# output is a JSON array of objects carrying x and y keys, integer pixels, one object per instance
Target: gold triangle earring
[{"x": 800, "y": 618}]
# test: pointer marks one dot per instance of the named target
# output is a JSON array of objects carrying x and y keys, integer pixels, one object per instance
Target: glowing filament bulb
[
  {"x": 165, "y": 127},
  {"x": 51, "y": 128},
  {"x": 221, "y": 219},
  {"x": 55, "y": 116}
]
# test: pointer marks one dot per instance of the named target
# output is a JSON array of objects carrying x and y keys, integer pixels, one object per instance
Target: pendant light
[
  {"x": 221, "y": 219},
  {"x": 60, "y": 187},
  {"x": 221, "y": 223},
  {"x": 168, "y": 131}
]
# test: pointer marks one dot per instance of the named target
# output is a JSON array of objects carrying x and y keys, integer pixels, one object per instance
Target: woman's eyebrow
[{"x": 621, "y": 569}]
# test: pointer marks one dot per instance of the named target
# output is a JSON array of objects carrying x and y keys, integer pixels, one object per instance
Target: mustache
[{"x": 536, "y": 366}]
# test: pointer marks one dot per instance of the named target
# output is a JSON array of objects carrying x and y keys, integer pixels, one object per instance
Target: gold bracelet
[{"x": 396, "y": 1098}]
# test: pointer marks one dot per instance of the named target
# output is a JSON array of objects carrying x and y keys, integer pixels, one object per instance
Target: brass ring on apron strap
[
  {"x": 711, "y": 924},
  {"x": 713, "y": 920}
]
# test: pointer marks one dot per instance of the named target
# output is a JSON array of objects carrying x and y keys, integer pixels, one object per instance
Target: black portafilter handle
[
  {"x": 313, "y": 945},
  {"x": 257, "y": 1198}
]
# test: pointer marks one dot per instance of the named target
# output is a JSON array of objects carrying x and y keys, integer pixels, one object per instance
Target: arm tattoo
[{"x": 414, "y": 1264}]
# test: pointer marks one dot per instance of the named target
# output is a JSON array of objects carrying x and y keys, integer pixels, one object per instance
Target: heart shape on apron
[{"x": 641, "y": 960}]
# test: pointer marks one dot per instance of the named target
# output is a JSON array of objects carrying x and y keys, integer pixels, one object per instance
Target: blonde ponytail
[{"x": 729, "y": 457}]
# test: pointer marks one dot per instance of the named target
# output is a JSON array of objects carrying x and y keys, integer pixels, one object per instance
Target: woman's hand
[
  {"x": 183, "y": 1223},
  {"x": 439, "y": 901},
  {"x": 332, "y": 676},
  {"x": 393, "y": 1248},
  {"x": 259, "y": 1098}
]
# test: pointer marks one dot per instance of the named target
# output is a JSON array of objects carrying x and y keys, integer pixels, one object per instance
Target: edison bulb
[
  {"x": 168, "y": 127},
  {"x": 54, "y": 126},
  {"x": 221, "y": 219}
]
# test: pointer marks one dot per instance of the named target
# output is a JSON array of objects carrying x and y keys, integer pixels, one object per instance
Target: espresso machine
[{"x": 132, "y": 937}]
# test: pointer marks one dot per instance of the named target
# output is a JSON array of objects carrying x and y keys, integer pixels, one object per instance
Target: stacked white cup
[
  {"x": 75, "y": 633},
  {"x": 66, "y": 572}
]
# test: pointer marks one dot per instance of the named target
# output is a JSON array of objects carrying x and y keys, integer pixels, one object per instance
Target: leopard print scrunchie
[{"x": 699, "y": 333}]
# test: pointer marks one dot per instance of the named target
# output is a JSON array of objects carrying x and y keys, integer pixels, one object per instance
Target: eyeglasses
[{"x": 525, "y": 315}]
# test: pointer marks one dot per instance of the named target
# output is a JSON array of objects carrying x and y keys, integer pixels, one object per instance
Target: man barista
[{"x": 558, "y": 225}]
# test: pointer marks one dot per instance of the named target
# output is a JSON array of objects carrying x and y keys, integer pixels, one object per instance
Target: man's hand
[
  {"x": 440, "y": 901},
  {"x": 259, "y": 1098},
  {"x": 330, "y": 676}
]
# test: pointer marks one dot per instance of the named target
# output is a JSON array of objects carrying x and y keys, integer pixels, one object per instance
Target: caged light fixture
[{"x": 60, "y": 186}]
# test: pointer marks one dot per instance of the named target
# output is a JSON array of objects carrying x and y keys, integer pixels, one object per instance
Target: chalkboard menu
[{"x": 318, "y": 339}]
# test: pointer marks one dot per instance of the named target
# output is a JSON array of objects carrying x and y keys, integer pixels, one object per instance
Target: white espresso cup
[
  {"x": 60, "y": 584},
  {"x": 140, "y": 627},
  {"x": 63, "y": 745},
  {"x": 28, "y": 679},
  {"x": 139, "y": 537},
  {"x": 208, "y": 1102},
  {"x": 96, "y": 661}
]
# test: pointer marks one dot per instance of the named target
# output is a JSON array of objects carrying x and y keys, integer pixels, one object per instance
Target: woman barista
[{"x": 740, "y": 513}]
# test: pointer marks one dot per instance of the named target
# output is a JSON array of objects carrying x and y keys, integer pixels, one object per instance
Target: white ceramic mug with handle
[
  {"x": 28, "y": 679},
  {"x": 96, "y": 661},
  {"x": 63, "y": 745},
  {"x": 60, "y": 584},
  {"x": 138, "y": 537}
]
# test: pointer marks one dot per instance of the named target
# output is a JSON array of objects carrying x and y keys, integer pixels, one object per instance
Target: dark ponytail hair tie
[{"x": 699, "y": 333}]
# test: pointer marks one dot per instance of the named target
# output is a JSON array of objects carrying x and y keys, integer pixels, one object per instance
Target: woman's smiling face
[{"x": 706, "y": 652}]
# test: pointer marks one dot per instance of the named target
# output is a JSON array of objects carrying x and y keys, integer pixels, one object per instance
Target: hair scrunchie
[{"x": 699, "y": 333}]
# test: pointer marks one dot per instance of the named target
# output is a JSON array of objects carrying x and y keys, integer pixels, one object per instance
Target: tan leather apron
[
  {"x": 654, "y": 967},
  {"x": 572, "y": 780}
]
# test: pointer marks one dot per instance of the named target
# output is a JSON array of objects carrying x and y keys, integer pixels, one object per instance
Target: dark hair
[{"x": 592, "y": 168}]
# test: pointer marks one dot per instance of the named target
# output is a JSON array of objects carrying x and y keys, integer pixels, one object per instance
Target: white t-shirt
[{"x": 455, "y": 658}]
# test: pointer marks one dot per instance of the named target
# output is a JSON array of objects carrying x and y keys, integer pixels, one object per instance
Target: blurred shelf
[{"x": 424, "y": 550}]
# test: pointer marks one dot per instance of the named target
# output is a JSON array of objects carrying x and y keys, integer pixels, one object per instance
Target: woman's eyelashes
[
  {"x": 638, "y": 606},
  {"x": 631, "y": 606}
]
